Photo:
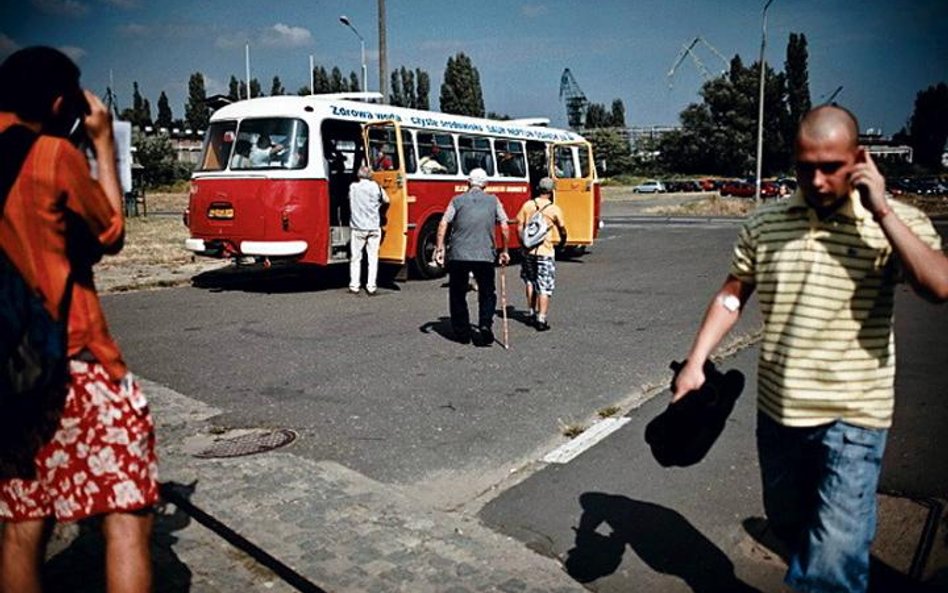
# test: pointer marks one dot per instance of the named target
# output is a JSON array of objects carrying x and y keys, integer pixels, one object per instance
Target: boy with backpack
[
  {"x": 538, "y": 223},
  {"x": 88, "y": 441}
]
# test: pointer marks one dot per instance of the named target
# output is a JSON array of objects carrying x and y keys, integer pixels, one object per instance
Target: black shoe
[
  {"x": 462, "y": 336},
  {"x": 542, "y": 326},
  {"x": 484, "y": 337}
]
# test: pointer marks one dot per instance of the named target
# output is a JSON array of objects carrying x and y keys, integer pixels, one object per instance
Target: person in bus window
[
  {"x": 507, "y": 165},
  {"x": 473, "y": 217},
  {"x": 382, "y": 161},
  {"x": 264, "y": 150},
  {"x": 431, "y": 163},
  {"x": 366, "y": 198}
]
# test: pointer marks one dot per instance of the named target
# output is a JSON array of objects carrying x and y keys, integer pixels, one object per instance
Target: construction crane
[
  {"x": 689, "y": 50},
  {"x": 576, "y": 101}
]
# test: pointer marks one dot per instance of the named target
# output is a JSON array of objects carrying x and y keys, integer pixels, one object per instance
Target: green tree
[
  {"x": 617, "y": 117},
  {"x": 408, "y": 87},
  {"x": 321, "y": 81},
  {"x": 146, "y": 113},
  {"x": 354, "y": 84},
  {"x": 597, "y": 116},
  {"x": 234, "y": 89},
  {"x": 395, "y": 95},
  {"x": 164, "y": 112},
  {"x": 276, "y": 87},
  {"x": 719, "y": 135},
  {"x": 196, "y": 112},
  {"x": 422, "y": 89},
  {"x": 337, "y": 84},
  {"x": 928, "y": 127},
  {"x": 255, "y": 89},
  {"x": 798, "y": 78},
  {"x": 303, "y": 91},
  {"x": 461, "y": 90},
  {"x": 612, "y": 151},
  {"x": 157, "y": 156}
]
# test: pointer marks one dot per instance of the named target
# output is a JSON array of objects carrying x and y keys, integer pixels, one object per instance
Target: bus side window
[
  {"x": 408, "y": 149},
  {"x": 510, "y": 159},
  {"x": 563, "y": 162},
  {"x": 437, "y": 154},
  {"x": 475, "y": 153}
]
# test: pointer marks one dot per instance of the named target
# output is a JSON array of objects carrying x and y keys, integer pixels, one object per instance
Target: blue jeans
[{"x": 819, "y": 488}]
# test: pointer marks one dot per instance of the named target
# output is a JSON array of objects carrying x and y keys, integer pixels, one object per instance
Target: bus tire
[{"x": 424, "y": 251}]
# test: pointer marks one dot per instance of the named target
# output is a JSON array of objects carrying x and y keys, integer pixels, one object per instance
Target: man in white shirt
[{"x": 365, "y": 201}]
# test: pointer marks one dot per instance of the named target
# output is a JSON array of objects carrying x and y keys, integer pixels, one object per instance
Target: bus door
[
  {"x": 575, "y": 195},
  {"x": 383, "y": 147}
]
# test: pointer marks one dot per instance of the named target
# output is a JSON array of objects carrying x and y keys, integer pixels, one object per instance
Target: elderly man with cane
[{"x": 472, "y": 216}]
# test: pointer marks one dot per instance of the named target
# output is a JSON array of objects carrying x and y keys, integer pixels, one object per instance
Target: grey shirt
[
  {"x": 365, "y": 198},
  {"x": 473, "y": 216}
]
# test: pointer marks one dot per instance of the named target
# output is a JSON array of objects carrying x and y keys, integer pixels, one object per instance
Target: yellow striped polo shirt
[{"x": 826, "y": 293}]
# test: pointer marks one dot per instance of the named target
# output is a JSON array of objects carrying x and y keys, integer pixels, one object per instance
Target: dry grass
[
  {"x": 155, "y": 240},
  {"x": 714, "y": 205},
  {"x": 167, "y": 201},
  {"x": 608, "y": 411}
]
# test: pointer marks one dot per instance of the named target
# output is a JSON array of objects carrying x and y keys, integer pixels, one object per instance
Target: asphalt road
[{"x": 376, "y": 384}]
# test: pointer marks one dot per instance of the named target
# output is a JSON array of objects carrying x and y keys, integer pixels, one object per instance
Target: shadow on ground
[
  {"x": 660, "y": 537},
  {"x": 286, "y": 278}
]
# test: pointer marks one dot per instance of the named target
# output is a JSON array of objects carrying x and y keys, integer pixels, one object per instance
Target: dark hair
[{"x": 32, "y": 78}]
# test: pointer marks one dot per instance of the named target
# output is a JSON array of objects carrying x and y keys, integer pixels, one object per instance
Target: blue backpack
[{"x": 34, "y": 371}]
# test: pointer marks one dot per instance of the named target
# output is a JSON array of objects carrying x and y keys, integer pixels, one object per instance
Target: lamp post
[
  {"x": 760, "y": 102},
  {"x": 345, "y": 21}
]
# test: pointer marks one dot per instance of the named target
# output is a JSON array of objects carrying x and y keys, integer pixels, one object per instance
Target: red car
[{"x": 748, "y": 189}]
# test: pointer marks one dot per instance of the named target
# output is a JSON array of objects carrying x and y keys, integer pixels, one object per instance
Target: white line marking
[{"x": 569, "y": 451}]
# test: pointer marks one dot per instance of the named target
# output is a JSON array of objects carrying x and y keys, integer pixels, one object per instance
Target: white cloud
[
  {"x": 280, "y": 35},
  {"x": 533, "y": 10},
  {"x": 7, "y": 45},
  {"x": 62, "y": 7},
  {"x": 74, "y": 53},
  {"x": 133, "y": 30},
  {"x": 124, "y": 4}
]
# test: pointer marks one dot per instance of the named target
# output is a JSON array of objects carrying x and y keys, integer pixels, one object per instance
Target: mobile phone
[{"x": 75, "y": 110}]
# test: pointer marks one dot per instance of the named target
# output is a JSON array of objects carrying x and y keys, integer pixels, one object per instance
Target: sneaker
[
  {"x": 542, "y": 326},
  {"x": 372, "y": 292},
  {"x": 353, "y": 290}
]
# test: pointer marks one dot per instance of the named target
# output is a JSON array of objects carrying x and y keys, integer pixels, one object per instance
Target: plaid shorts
[
  {"x": 540, "y": 271},
  {"x": 101, "y": 459}
]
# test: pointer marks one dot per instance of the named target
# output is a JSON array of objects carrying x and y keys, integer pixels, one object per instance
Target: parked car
[
  {"x": 738, "y": 189},
  {"x": 652, "y": 186}
]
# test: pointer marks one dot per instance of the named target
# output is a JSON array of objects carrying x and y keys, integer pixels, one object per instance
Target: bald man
[{"x": 825, "y": 262}]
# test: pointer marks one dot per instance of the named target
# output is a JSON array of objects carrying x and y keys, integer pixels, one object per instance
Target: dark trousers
[{"x": 457, "y": 294}]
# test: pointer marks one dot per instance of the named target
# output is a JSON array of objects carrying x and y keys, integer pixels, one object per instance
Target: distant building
[{"x": 884, "y": 148}]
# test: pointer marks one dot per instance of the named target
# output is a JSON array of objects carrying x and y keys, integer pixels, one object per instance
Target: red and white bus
[{"x": 274, "y": 176}]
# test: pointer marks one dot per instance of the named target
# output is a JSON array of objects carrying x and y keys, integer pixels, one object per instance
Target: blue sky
[{"x": 881, "y": 52}]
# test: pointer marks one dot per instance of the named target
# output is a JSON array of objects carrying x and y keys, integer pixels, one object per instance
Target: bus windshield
[{"x": 264, "y": 143}]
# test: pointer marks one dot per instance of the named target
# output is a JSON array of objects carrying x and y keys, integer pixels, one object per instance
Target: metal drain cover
[{"x": 248, "y": 444}]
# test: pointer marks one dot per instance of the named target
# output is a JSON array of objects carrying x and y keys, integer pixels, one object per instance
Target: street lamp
[
  {"x": 760, "y": 102},
  {"x": 345, "y": 21}
]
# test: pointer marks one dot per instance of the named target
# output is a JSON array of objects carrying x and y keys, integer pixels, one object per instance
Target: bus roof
[{"x": 330, "y": 107}]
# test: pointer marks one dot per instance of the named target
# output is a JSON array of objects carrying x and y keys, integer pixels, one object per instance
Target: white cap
[{"x": 478, "y": 177}]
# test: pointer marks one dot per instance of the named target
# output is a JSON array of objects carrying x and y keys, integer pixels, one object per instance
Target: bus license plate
[{"x": 218, "y": 213}]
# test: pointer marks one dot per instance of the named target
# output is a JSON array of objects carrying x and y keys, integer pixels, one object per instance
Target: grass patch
[
  {"x": 608, "y": 411},
  {"x": 711, "y": 206},
  {"x": 571, "y": 430},
  {"x": 155, "y": 240}
]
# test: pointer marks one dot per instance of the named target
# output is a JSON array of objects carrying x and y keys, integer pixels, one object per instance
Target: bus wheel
[{"x": 424, "y": 252}]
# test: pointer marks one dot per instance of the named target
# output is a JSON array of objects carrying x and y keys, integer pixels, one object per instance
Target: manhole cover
[{"x": 249, "y": 444}]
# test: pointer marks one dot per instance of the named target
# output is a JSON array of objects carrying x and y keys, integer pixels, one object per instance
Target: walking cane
[{"x": 503, "y": 303}]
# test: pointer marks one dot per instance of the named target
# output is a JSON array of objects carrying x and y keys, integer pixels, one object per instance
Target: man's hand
[
  {"x": 504, "y": 257},
  {"x": 866, "y": 178},
  {"x": 98, "y": 122},
  {"x": 690, "y": 378},
  {"x": 439, "y": 255}
]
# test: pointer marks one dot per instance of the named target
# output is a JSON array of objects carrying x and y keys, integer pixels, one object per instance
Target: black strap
[{"x": 15, "y": 144}]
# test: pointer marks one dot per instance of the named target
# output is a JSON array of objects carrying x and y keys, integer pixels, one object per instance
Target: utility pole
[
  {"x": 247, "y": 66},
  {"x": 760, "y": 101},
  {"x": 383, "y": 57}
]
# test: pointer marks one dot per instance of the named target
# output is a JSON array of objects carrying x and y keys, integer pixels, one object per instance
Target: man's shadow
[
  {"x": 441, "y": 326},
  {"x": 80, "y": 567},
  {"x": 661, "y": 537}
]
